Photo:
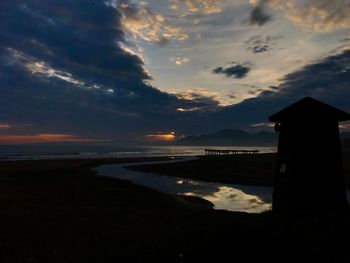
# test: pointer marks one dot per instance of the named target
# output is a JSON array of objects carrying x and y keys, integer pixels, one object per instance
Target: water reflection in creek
[{"x": 249, "y": 199}]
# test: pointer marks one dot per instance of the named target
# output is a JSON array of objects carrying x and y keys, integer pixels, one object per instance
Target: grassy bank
[{"x": 60, "y": 211}]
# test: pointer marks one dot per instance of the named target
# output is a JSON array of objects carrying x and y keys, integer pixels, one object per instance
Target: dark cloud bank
[
  {"x": 106, "y": 93},
  {"x": 237, "y": 71},
  {"x": 62, "y": 70},
  {"x": 326, "y": 79}
]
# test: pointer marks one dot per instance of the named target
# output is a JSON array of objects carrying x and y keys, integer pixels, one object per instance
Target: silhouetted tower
[{"x": 309, "y": 171}]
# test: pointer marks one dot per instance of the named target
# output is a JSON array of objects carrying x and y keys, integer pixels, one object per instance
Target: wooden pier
[{"x": 229, "y": 152}]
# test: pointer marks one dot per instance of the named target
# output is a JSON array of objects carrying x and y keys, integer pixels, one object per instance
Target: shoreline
[{"x": 244, "y": 169}]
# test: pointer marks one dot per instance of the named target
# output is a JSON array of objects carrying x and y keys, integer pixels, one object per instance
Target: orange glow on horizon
[
  {"x": 5, "y": 126},
  {"x": 161, "y": 137},
  {"x": 43, "y": 138}
]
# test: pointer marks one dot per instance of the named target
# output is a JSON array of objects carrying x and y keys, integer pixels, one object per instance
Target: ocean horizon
[{"x": 37, "y": 152}]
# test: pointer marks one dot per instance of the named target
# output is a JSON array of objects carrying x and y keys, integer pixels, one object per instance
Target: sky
[{"x": 130, "y": 70}]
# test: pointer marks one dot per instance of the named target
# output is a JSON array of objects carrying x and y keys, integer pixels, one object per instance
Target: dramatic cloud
[
  {"x": 309, "y": 15},
  {"x": 185, "y": 7},
  {"x": 258, "y": 16},
  {"x": 258, "y": 44},
  {"x": 236, "y": 71},
  {"x": 141, "y": 22},
  {"x": 203, "y": 98},
  {"x": 64, "y": 71},
  {"x": 326, "y": 79},
  {"x": 43, "y": 70}
]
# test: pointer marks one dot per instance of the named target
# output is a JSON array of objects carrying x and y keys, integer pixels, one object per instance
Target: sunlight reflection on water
[{"x": 251, "y": 199}]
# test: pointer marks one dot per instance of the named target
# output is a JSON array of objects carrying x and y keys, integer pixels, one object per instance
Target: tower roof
[{"x": 309, "y": 108}]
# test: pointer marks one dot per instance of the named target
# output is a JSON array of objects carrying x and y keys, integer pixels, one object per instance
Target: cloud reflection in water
[
  {"x": 249, "y": 199},
  {"x": 233, "y": 199}
]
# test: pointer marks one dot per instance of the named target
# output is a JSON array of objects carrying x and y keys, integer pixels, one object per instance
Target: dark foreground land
[{"x": 60, "y": 211}]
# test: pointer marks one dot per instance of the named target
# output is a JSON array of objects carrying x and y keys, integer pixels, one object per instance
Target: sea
[{"x": 45, "y": 152}]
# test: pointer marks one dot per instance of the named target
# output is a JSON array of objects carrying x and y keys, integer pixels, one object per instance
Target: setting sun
[{"x": 161, "y": 136}]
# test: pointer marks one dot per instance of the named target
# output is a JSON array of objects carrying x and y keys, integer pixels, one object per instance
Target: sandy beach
[{"x": 60, "y": 211}]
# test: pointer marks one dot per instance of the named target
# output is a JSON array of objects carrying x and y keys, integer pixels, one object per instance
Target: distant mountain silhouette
[{"x": 231, "y": 137}]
